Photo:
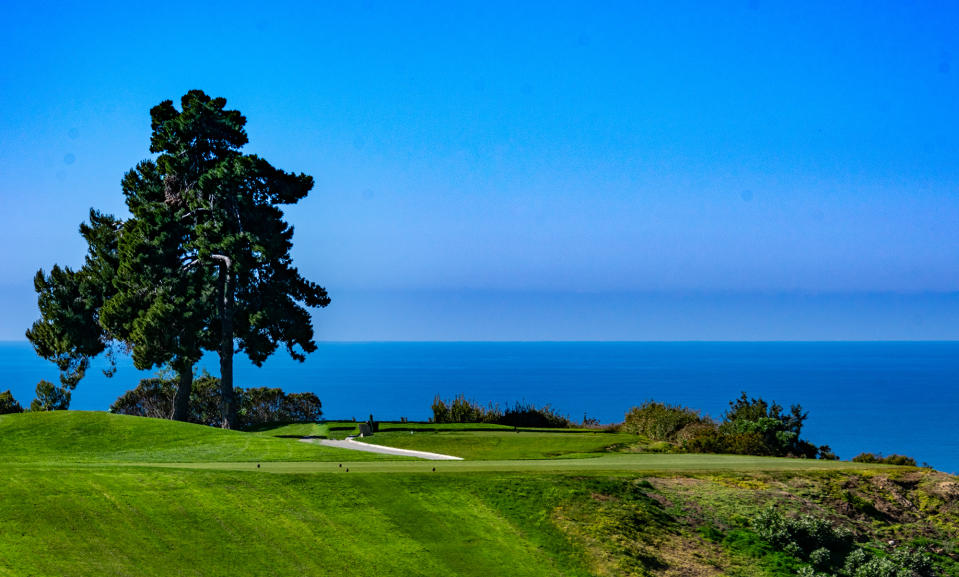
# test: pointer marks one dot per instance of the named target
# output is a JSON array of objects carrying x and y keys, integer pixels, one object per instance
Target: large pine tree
[{"x": 203, "y": 262}]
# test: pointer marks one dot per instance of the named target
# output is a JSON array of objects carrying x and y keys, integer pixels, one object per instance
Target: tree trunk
[
  {"x": 181, "y": 401},
  {"x": 227, "y": 399}
]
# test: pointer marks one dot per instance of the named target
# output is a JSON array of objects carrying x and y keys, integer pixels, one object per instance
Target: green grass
[
  {"x": 122, "y": 521},
  {"x": 91, "y": 494},
  {"x": 502, "y": 444},
  {"x": 487, "y": 441},
  {"x": 604, "y": 464},
  {"x": 295, "y": 430},
  {"x": 79, "y": 436}
]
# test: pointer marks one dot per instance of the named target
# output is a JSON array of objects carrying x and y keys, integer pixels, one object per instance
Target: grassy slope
[
  {"x": 120, "y": 521},
  {"x": 613, "y": 514},
  {"x": 79, "y": 436}
]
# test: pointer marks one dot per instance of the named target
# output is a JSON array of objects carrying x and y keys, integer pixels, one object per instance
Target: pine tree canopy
[{"x": 203, "y": 262}]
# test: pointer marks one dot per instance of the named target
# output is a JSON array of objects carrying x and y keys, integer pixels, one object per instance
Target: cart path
[{"x": 353, "y": 445}]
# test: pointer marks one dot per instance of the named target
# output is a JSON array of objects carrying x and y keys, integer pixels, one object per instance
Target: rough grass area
[
  {"x": 80, "y": 436},
  {"x": 500, "y": 444}
]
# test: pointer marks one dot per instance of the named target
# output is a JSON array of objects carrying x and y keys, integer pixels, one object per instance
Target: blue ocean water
[{"x": 889, "y": 397}]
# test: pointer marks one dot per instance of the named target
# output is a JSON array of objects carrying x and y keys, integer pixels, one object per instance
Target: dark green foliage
[
  {"x": 659, "y": 421},
  {"x": 50, "y": 397},
  {"x": 8, "y": 404},
  {"x": 234, "y": 233},
  {"x": 69, "y": 332},
  {"x": 203, "y": 262},
  {"x": 152, "y": 398},
  {"x": 830, "y": 550},
  {"x": 529, "y": 415},
  {"x": 263, "y": 405},
  {"x": 462, "y": 410},
  {"x": 803, "y": 535},
  {"x": 825, "y": 453},
  {"x": 755, "y": 427},
  {"x": 260, "y": 405},
  {"x": 749, "y": 427},
  {"x": 893, "y": 459}
]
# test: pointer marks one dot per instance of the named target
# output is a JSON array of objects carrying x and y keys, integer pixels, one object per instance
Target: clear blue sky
[{"x": 654, "y": 171}]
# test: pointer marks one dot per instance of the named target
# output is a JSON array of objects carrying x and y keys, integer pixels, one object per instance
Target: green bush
[
  {"x": 701, "y": 437},
  {"x": 8, "y": 404},
  {"x": 528, "y": 415},
  {"x": 755, "y": 427},
  {"x": 50, "y": 397},
  {"x": 803, "y": 535},
  {"x": 257, "y": 406},
  {"x": 830, "y": 550},
  {"x": 463, "y": 410},
  {"x": 893, "y": 459},
  {"x": 658, "y": 421},
  {"x": 825, "y": 453}
]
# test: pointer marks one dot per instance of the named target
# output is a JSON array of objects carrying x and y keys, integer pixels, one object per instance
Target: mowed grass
[
  {"x": 81, "y": 436},
  {"x": 295, "y": 430},
  {"x": 108, "y": 520},
  {"x": 601, "y": 464},
  {"x": 503, "y": 444},
  {"x": 90, "y": 494},
  {"x": 342, "y": 429}
]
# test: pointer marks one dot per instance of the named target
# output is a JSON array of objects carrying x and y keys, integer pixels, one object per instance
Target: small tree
[
  {"x": 8, "y": 404},
  {"x": 753, "y": 426},
  {"x": 50, "y": 397}
]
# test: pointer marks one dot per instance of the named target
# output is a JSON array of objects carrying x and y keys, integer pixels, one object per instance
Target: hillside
[
  {"x": 85, "y": 436},
  {"x": 77, "y": 508}
]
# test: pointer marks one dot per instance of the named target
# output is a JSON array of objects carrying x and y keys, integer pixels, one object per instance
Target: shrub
[
  {"x": 830, "y": 549},
  {"x": 462, "y": 410},
  {"x": 701, "y": 437},
  {"x": 825, "y": 453},
  {"x": 893, "y": 459},
  {"x": 756, "y": 427},
  {"x": 803, "y": 535},
  {"x": 8, "y": 404},
  {"x": 262, "y": 405},
  {"x": 528, "y": 415},
  {"x": 50, "y": 397},
  {"x": 151, "y": 398},
  {"x": 820, "y": 558},
  {"x": 257, "y": 406},
  {"x": 658, "y": 421}
]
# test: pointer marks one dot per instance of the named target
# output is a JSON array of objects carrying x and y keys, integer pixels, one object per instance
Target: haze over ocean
[
  {"x": 887, "y": 397},
  {"x": 741, "y": 170}
]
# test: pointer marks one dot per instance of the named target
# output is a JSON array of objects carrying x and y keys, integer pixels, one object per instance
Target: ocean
[{"x": 888, "y": 397}]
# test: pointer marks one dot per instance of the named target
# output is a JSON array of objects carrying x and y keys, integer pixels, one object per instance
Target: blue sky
[{"x": 496, "y": 171}]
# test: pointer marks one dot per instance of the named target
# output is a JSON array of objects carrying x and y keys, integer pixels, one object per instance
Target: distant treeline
[
  {"x": 751, "y": 426},
  {"x": 256, "y": 406}
]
